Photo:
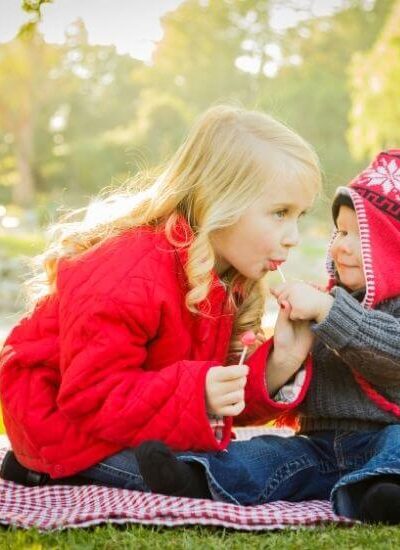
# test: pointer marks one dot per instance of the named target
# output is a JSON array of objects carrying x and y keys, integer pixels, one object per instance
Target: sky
[{"x": 133, "y": 26}]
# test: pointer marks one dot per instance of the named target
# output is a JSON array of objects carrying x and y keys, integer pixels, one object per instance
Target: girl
[
  {"x": 349, "y": 442},
  {"x": 141, "y": 309}
]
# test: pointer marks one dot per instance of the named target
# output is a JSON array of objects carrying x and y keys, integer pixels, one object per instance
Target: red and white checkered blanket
[{"x": 61, "y": 507}]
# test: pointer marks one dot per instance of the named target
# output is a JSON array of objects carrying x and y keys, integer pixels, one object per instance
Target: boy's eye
[
  {"x": 341, "y": 233},
  {"x": 281, "y": 213}
]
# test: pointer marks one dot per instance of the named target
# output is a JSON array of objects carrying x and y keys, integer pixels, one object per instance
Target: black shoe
[
  {"x": 12, "y": 470},
  {"x": 163, "y": 473},
  {"x": 381, "y": 503}
]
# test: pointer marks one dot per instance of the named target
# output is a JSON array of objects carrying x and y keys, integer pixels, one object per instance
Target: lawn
[{"x": 108, "y": 537}]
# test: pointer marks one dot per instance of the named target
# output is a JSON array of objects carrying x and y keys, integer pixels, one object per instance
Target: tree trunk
[{"x": 24, "y": 189}]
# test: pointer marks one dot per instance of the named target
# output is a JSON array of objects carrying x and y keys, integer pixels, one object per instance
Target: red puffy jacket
[{"x": 114, "y": 358}]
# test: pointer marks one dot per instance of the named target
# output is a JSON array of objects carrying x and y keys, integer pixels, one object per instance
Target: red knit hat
[{"x": 375, "y": 194}]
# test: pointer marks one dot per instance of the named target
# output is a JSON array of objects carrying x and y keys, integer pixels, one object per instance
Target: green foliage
[
  {"x": 34, "y": 8},
  {"x": 22, "y": 244},
  {"x": 75, "y": 118},
  {"x": 375, "y": 92}
]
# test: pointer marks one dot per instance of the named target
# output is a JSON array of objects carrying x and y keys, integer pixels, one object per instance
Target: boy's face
[{"x": 346, "y": 250}]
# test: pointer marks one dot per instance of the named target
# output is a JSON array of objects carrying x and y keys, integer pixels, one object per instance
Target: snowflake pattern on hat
[{"x": 386, "y": 175}]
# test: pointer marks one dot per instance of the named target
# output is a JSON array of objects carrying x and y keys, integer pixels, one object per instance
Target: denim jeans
[
  {"x": 328, "y": 464},
  {"x": 119, "y": 470}
]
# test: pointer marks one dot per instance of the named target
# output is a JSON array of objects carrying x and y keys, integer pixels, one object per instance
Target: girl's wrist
[
  {"x": 325, "y": 308},
  {"x": 280, "y": 368}
]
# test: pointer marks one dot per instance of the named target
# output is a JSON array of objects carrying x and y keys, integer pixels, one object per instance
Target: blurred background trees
[{"x": 76, "y": 117}]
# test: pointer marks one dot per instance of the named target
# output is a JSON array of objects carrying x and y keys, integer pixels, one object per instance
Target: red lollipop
[{"x": 248, "y": 338}]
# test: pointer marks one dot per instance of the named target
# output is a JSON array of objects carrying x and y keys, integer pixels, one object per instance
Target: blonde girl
[{"x": 135, "y": 332}]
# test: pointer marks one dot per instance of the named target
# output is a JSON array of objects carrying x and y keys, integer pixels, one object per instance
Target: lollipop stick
[
  {"x": 281, "y": 274},
  {"x": 243, "y": 355}
]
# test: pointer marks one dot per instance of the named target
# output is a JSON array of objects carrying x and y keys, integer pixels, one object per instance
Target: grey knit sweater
[{"x": 352, "y": 337}]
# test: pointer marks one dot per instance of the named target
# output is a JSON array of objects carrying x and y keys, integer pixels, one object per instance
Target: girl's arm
[
  {"x": 106, "y": 389},
  {"x": 272, "y": 365}
]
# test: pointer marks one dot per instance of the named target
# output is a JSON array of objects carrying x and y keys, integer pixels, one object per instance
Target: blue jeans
[
  {"x": 120, "y": 470},
  {"x": 327, "y": 464}
]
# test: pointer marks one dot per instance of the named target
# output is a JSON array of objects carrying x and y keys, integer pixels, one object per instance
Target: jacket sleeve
[
  {"x": 260, "y": 405},
  {"x": 106, "y": 388},
  {"x": 367, "y": 340}
]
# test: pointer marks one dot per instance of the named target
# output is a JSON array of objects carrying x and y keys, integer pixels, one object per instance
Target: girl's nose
[{"x": 291, "y": 237}]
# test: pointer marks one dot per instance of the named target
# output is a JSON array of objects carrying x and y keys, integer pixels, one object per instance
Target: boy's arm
[{"x": 367, "y": 340}]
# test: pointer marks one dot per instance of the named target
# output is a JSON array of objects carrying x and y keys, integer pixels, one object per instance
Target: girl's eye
[
  {"x": 341, "y": 233},
  {"x": 281, "y": 213}
]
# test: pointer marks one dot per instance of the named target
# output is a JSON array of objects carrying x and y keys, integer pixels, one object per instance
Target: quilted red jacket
[{"x": 114, "y": 358}]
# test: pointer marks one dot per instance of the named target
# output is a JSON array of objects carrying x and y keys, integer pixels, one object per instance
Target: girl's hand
[
  {"x": 307, "y": 303},
  {"x": 225, "y": 390},
  {"x": 293, "y": 341}
]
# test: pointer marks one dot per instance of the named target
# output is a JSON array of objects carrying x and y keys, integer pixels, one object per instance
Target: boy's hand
[
  {"x": 307, "y": 303},
  {"x": 225, "y": 390}
]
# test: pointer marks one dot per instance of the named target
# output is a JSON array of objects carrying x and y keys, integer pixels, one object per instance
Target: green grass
[
  {"x": 135, "y": 536},
  {"x": 24, "y": 244}
]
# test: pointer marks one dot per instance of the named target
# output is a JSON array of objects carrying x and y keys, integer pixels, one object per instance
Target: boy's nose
[{"x": 345, "y": 246}]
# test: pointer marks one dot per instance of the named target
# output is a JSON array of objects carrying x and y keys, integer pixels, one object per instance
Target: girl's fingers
[
  {"x": 231, "y": 385},
  {"x": 232, "y": 398},
  {"x": 231, "y": 372},
  {"x": 224, "y": 388},
  {"x": 232, "y": 410}
]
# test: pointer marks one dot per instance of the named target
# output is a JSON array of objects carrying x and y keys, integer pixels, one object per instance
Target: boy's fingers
[{"x": 285, "y": 310}]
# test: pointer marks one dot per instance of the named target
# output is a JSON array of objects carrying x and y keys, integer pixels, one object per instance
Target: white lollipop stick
[
  {"x": 281, "y": 274},
  {"x": 241, "y": 361}
]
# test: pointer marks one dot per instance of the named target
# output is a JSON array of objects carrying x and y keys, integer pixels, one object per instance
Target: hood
[{"x": 375, "y": 194}]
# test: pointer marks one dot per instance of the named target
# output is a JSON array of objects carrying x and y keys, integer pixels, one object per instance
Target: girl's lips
[{"x": 274, "y": 264}]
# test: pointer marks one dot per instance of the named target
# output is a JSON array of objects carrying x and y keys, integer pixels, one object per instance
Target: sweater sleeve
[
  {"x": 365, "y": 339},
  {"x": 260, "y": 405},
  {"x": 107, "y": 390}
]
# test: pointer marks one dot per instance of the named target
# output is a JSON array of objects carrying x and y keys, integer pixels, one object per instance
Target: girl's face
[
  {"x": 346, "y": 250},
  {"x": 261, "y": 239}
]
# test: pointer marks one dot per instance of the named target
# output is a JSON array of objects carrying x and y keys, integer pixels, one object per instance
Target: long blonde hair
[{"x": 222, "y": 167}]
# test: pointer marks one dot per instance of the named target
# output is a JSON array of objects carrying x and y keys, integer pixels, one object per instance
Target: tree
[
  {"x": 313, "y": 95},
  {"x": 375, "y": 92},
  {"x": 25, "y": 63}
]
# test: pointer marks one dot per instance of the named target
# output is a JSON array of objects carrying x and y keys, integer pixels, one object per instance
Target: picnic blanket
[{"x": 60, "y": 507}]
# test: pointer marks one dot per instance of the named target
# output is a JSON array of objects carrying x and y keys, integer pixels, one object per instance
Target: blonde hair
[{"x": 216, "y": 174}]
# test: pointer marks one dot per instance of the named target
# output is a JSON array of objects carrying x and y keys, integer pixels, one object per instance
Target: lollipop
[{"x": 248, "y": 338}]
